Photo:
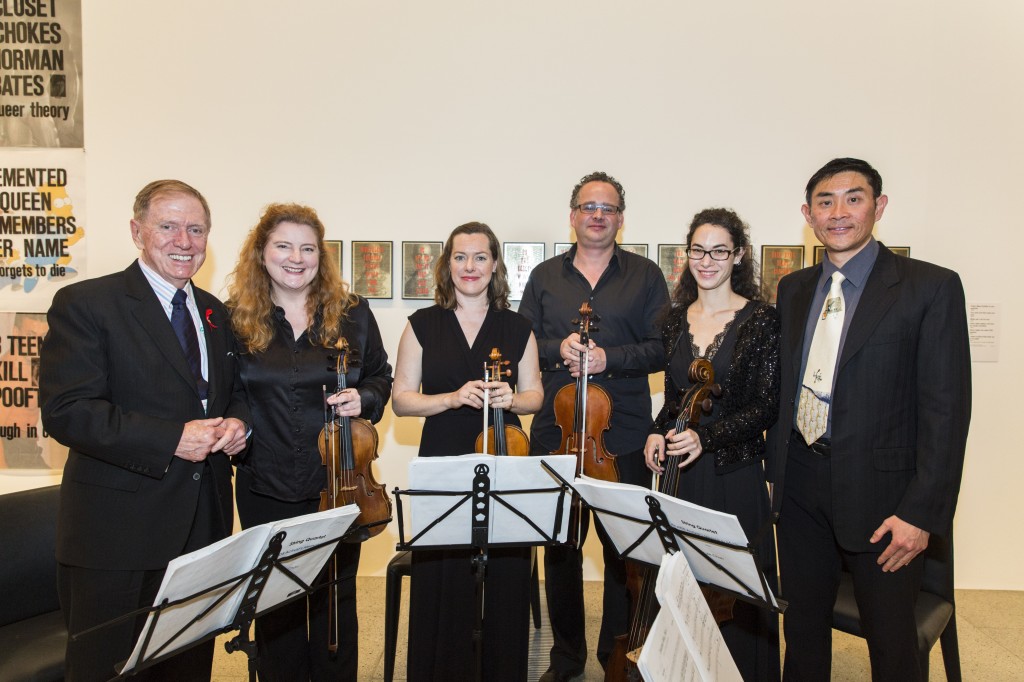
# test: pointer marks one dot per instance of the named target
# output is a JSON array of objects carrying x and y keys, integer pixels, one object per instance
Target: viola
[
  {"x": 348, "y": 446},
  {"x": 507, "y": 439},
  {"x": 640, "y": 579}
]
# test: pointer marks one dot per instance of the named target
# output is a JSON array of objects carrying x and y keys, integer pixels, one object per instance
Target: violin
[
  {"x": 583, "y": 411},
  {"x": 348, "y": 446},
  {"x": 507, "y": 439},
  {"x": 640, "y": 580}
]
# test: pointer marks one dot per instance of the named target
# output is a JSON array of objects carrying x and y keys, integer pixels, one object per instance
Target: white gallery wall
[{"x": 400, "y": 120}]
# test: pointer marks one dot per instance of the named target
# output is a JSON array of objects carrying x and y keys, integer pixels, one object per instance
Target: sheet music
[
  {"x": 213, "y": 564},
  {"x": 679, "y": 595},
  {"x": 303, "y": 532},
  {"x": 665, "y": 656},
  {"x": 699, "y": 521},
  {"x": 507, "y": 474}
]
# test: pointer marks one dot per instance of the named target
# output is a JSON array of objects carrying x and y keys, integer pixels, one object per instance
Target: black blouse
[
  {"x": 285, "y": 388},
  {"x": 750, "y": 395}
]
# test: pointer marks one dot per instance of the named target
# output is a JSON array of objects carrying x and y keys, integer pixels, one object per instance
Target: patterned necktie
[
  {"x": 181, "y": 320},
  {"x": 816, "y": 392}
]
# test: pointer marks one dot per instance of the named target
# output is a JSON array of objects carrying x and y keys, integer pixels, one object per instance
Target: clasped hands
[
  {"x": 570, "y": 350},
  {"x": 203, "y": 436}
]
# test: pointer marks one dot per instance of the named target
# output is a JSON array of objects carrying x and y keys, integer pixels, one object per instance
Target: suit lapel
[
  {"x": 150, "y": 315},
  {"x": 879, "y": 295}
]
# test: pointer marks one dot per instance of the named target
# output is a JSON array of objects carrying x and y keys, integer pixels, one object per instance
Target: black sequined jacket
[{"x": 749, "y": 403}]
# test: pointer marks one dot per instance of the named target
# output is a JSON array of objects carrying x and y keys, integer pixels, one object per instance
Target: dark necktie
[{"x": 181, "y": 320}]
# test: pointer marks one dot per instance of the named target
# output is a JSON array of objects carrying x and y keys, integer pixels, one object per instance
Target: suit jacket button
[{"x": 195, "y": 477}]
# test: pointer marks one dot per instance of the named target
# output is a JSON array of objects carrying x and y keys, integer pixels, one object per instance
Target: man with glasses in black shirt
[{"x": 628, "y": 293}]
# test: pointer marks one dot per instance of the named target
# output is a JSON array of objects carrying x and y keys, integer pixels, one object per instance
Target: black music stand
[
  {"x": 506, "y": 502},
  {"x": 270, "y": 565}
]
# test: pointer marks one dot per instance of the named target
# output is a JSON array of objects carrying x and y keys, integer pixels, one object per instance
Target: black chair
[
  {"x": 401, "y": 565},
  {"x": 936, "y": 609},
  {"x": 32, "y": 631}
]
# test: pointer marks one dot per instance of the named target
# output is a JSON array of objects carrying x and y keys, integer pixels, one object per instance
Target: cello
[
  {"x": 507, "y": 439},
  {"x": 348, "y": 446},
  {"x": 640, "y": 580},
  {"x": 583, "y": 412}
]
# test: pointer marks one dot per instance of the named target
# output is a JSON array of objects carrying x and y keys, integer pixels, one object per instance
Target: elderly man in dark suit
[
  {"x": 138, "y": 378},
  {"x": 868, "y": 450}
]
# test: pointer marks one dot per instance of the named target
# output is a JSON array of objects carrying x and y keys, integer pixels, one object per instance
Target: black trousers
[
  {"x": 810, "y": 562},
  {"x": 292, "y": 640},
  {"x": 91, "y": 597},
  {"x": 563, "y": 586}
]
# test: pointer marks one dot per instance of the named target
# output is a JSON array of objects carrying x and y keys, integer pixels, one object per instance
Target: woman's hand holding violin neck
[
  {"x": 347, "y": 403},
  {"x": 500, "y": 394}
]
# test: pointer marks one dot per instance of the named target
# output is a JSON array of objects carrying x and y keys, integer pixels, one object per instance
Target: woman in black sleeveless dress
[
  {"x": 719, "y": 315},
  {"x": 439, "y": 375}
]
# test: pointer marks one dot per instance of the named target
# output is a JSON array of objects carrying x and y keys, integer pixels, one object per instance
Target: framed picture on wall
[
  {"x": 638, "y": 249},
  {"x": 418, "y": 259},
  {"x": 776, "y": 263},
  {"x": 901, "y": 251},
  {"x": 520, "y": 260},
  {"x": 371, "y": 269},
  {"x": 333, "y": 248},
  {"x": 819, "y": 254},
  {"x": 672, "y": 261},
  {"x": 562, "y": 247}
]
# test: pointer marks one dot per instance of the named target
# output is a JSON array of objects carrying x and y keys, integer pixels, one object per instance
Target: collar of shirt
[
  {"x": 570, "y": 255},
  {"x": 856, "y": 269},
  {"x": 164, "y": 291}
]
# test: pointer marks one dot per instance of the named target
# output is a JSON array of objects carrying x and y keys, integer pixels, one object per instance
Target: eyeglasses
[
  {"x": 697, "y": 253},
  {"x": 591, "y": 207}
]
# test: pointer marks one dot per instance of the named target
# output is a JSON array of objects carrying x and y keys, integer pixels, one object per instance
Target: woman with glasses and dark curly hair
[{"x": 719, "y": 314}]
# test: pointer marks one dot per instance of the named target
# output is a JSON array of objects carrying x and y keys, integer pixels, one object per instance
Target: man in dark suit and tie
[
  {"x": 138, "y": 378},
  {"x": 868, "y": 450}
]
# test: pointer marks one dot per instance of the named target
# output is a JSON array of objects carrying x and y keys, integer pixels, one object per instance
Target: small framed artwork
[
  {"x": 776, "y": 263},
  {"x": 520, "y": 260},
  {"x": 371, "y": 269},
  {"x": 819, "y": 254},
  {"x": 562, "y": 247},
  {"x": 418, "y": 259},
  {"x": 638, "y": 249},
  {"x": 901, "y": 251},
  {"x": 333, "y": 249},
  {"x": 672, "y": 261}
]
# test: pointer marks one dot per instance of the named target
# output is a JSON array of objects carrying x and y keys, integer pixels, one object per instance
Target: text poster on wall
[
  {"x": 41, "y": 73},
  {"x": 23, "y": 442},
  {"x": 42, "y": 235}
]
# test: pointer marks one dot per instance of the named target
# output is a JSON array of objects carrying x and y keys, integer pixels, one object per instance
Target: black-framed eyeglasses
[
  {"x": 592, "y": 207},
  {"x": 697, "y": 253}
]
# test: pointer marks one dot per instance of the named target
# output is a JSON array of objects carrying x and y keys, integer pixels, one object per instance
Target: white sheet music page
[
  {"x": 679, "y": 595},
  {"x": 526, "y": 473},
  {"x": 665, "y": 656},
  {"x": 455, "y": 474},
  {"x": 699, "y": 522},
  {"x": 302, "y": 532},
  {"x": 216, "y": 563}
]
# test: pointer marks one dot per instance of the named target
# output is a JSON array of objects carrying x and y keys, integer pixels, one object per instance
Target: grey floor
[{"x": 990, "y": 625}]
